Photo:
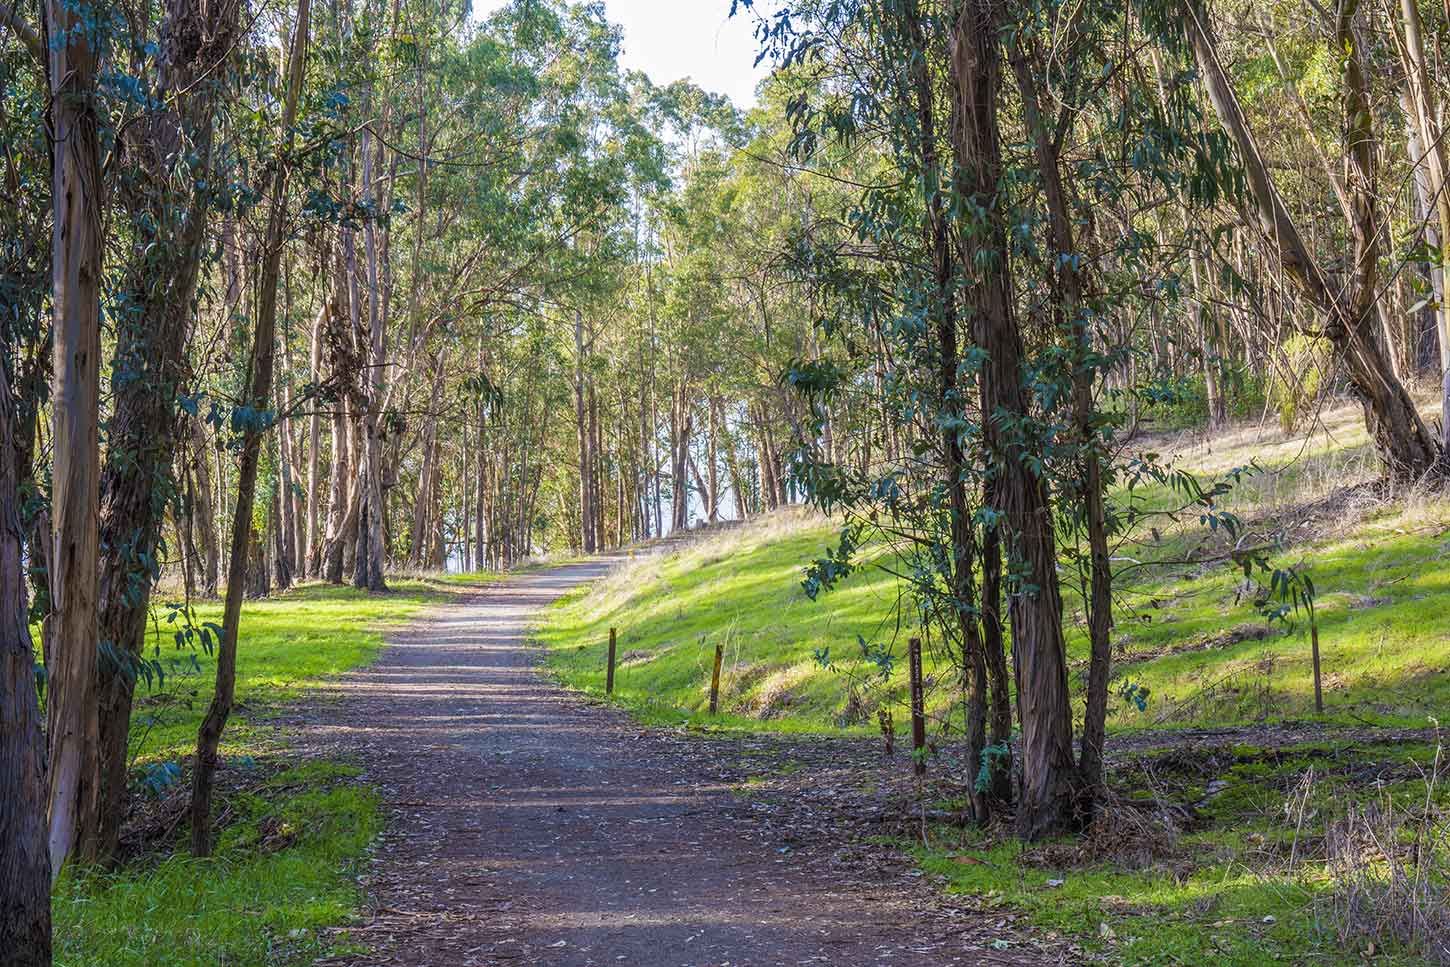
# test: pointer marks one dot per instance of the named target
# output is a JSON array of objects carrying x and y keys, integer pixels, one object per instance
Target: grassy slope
[
  {"x": 286, "y": 643},
  {"x": 741, "y": 588},
  {"x": 284, "y": 866},
  {"x": 1185, "y": 633},
  {"x": 1378, "y": 566}
]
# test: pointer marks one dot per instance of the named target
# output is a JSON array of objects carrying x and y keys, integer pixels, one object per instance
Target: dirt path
[{"x": 531, "y": 827}]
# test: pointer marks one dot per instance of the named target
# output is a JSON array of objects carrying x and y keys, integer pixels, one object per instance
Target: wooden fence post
[
  {"x": 918, "y": 709},
  {"x": 715, "y": 678},
  {"x": 609, "y": 673},
  {"x": 1318, "y": 682}
]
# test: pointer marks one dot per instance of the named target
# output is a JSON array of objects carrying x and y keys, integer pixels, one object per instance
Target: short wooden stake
[
  {"x": 715, "y": 678},
  {"x": 609, "y": 673},
  {"x": 1318, "y": 685},
  {"x": 918, "y": 709}
]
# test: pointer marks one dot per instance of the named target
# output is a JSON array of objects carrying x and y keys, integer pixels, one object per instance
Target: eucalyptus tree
[
  {"x": 170, "y": 183},
  {"x": 973, "y": 276},
  {"x": 1348, "y": 306},
  {"x": 25, "y": 923},
  {"x": 77, "y": 44}
]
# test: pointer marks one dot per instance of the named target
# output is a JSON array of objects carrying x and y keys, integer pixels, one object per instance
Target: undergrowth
[{"x": 1316, "y": 854}]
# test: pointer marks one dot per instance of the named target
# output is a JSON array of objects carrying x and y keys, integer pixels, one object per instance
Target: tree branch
[{"x": 10, "y": 17}]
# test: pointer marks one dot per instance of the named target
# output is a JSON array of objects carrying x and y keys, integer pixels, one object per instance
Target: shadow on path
[{"x": 532, "y": 827}]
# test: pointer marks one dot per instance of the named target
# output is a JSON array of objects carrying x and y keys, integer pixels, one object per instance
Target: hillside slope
[{"x": 1186, "y": 632}]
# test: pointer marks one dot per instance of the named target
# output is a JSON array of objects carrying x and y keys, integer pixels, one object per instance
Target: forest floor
[{"x": 530, "y": 825}]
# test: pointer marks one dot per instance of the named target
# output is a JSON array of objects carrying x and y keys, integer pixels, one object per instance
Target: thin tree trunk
[
  {"x": 961, "y": 568},
  {"x": 311, "y": 563},
  {"x": 712, "y": 463},
  {"x": 25, "y": 929},
  {"x": 203, "y": 510},
  {"x": 259, "y": 392},
  {"x": 681, "y": 424},
  {"x": 586, "y": 490}
]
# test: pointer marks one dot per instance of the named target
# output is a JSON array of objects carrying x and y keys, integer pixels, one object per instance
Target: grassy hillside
[
  {"x": 740, "y": 587},
  {"x": 1187, "y": 632},
  {"x": 287, "y": 644}
]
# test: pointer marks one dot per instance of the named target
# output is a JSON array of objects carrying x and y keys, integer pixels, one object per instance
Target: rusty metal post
[
  {"x": 609, "y": 673},
  {"x": 715, "y": 679},
  {"x": 918, "y": 709}
]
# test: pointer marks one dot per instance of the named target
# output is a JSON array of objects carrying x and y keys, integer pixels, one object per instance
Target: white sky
[{"x": 673, "y": 39}]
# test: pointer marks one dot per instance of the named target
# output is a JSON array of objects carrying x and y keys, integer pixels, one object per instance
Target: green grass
[
  {"x": 1383, "y": 632},
  {"x": 1215, "y": 915},
  {"x": 1188, "y": 633},
  {"x": 1246, "y": 885},
  {"x": 287, "y": 644},
  {"x": 282, "y": 873},
  {"x": 294, "y": 835},
  {"x": 741, "y": 589}
]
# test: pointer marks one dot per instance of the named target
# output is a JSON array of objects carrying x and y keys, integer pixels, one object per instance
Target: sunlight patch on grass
[{"x": 287, "y": 644}]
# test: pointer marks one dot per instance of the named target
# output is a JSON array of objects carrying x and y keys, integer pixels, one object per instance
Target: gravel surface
[{"x": 531, "y": 826}]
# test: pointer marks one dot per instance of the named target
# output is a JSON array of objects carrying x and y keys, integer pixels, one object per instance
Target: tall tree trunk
[
  {"x": 342, "y": 498},
  {"x": 681, "y": 426},
  {"x": 372, "y": 577},
  {"x": 181, "y": 520},
  {"x": 281, "y": 556},
  {"x": 25, "y": 938},
  {"x": 1428, "y": 349},
  {"x": 1429, "y": 138},
  {"x": 1071, "y": 315},
  {"x": 339, "y": 500},
  {"x": 1401, "y": 440},
  {"x": 1047, "y": 802},
  {"x": 712, "y": 462},
  {"x": 311, "y": 563},
  {"x": 428, "y": 500},
  {"x": 73, "y": 772},
  {"x": 586, "y": 474},
  {"x": 1208, "y": 343},
  {"x": 259, "y": 391},
  {"x": 357, "y": 494},
  {"x": 596, "y": 449},
  {"x": 289, "y": 452}
]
